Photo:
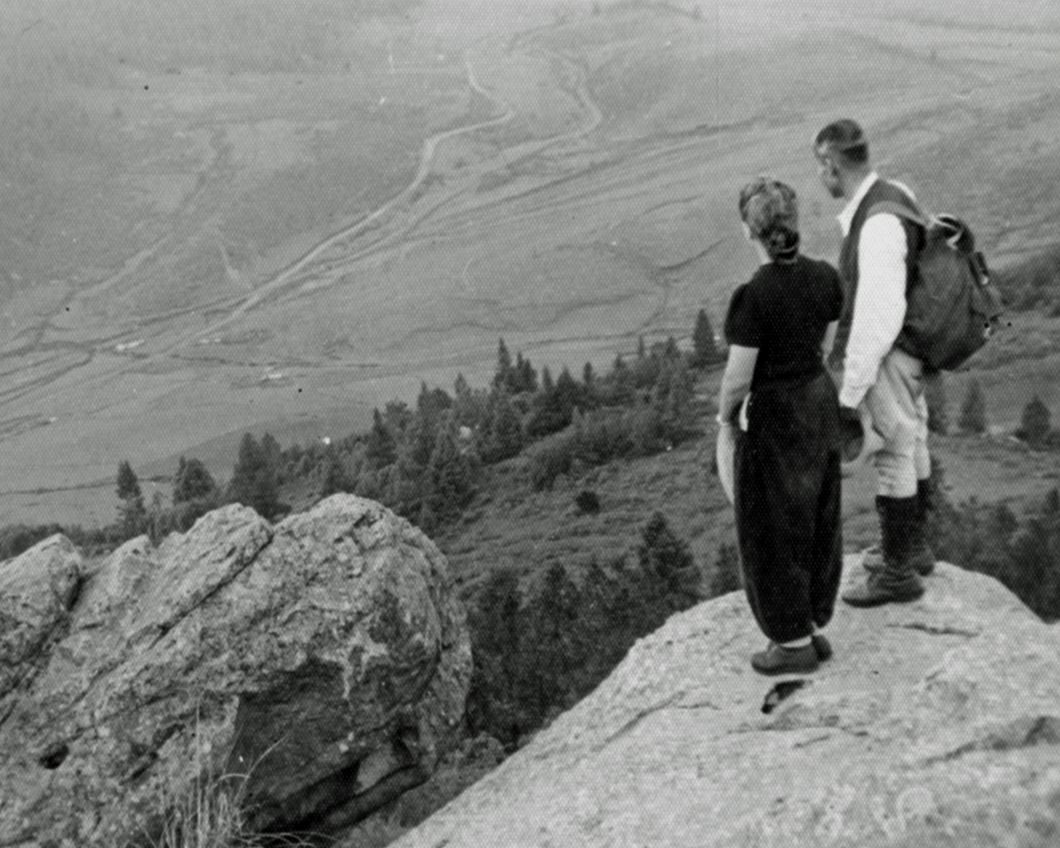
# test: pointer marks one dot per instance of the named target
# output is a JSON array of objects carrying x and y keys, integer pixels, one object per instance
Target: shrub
[
  {"x": 550, "y": 458},
  {"x": 16, "y": 539},
  {"x": 602, "y": 435},
  {"x": 726, "y": 577},
  {"x": 588, "y": 502},
  {"x": 193, "y": 481},
  {"x": 1034, "y": 424}
]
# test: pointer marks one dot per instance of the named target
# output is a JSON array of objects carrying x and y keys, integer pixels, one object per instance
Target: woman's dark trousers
[{"x": 788, "y": 520}]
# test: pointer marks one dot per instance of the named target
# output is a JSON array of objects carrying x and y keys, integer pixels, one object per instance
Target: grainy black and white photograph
[{"x": 529, "y": 424}]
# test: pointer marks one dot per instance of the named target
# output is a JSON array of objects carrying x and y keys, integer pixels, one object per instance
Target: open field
[{"x": 224, "y": 220}]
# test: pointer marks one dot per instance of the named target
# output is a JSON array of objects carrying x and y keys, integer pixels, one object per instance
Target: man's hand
[
  {"x": 852, "y": 435},
  {"x": 849, "y": 415}
]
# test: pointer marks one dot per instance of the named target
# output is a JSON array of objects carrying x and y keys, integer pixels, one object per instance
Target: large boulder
[
  {"x": 320, "y": 666},
  {"x": 936, "y": 723},
  {"x": 37, "y": 592}
]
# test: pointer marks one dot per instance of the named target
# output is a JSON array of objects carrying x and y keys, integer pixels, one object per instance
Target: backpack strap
[
  {"x": 953, "y": 229},
  {"x": 891, "y": 208}
]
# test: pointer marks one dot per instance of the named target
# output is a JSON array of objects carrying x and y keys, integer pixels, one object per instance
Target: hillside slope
[{"x": 219, "y": 224}]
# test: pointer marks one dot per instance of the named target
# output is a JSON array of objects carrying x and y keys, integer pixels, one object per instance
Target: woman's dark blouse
[{"x": 784, "y": 311}]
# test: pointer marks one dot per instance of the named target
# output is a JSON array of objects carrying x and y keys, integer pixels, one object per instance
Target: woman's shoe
[
  {"x": 822, "y": 646},
  {"x": 777, "y": 659}
]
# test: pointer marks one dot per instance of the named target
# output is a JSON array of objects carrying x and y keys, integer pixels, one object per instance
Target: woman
[{"x": 779, "y": 407}]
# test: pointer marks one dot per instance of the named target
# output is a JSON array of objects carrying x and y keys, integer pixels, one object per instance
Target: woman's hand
[
  {"x": 726, "y": 458},
  {"x": 736, "y": 381}
]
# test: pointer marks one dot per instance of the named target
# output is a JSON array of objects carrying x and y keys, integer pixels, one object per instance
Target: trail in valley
[
  {"x": 326, "y": 261},
  {"x": 320, "y": 265},
  {"x": 306, "y": 262}
]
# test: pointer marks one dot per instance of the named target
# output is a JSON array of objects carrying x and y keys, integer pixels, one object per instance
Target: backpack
[{"x": 952, "y": 307}]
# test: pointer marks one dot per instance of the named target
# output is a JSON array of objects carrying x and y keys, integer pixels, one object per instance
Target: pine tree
[
  {"x": 622, "y": 383},
  {"x": 128, "y": 484},
  {"x": 132, "y": 514},
  {"x": 253, "y": 480},
  {"x": 404, "y": 488},
  {"x": 414, "y": 451},
  {"x": 156, "y": 520},
  {"x": 973, "y": 409},
  {"x": 450, "y": 474},
  {"x": 550, "y": 410},
  {"x": 432, "y": 405},
  {"x": 547, "y": 384},
  {"x": 590, "y": 397},
  {"x": 495, "y": 622},
  {"x": 273, "y": 454},
  {"x": 668, "y": 559},
  {"x": 525, "y": 376},
  {"x": 553, "y": 646},
  {"x": 397, "y": 416},
  {"x": 672, "y": 398},
  {"x": 568, "y": 393},
  {"x": 335, "y": 477},
  {"x": 505, "y": 438},
  {"x": 704, "y": 346},
  {"x": 381, "y": 449},
  {"x": 469, "y": 406},
  {"x": 502, "y": 375}
]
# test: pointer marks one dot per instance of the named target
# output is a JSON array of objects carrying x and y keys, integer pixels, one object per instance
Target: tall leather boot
[
  {"x": 897, "y": 581},
  {"x": 920, "y": 551},
  {"x": 921, "y": 554}
]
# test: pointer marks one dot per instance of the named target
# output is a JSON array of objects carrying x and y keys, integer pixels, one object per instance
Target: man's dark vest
[{"x": 880, "y": 191}]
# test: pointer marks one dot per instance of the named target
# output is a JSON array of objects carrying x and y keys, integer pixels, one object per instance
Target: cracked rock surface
[
  {"x": 936, "y": 723},
  {"x": 326, "y": 658}
]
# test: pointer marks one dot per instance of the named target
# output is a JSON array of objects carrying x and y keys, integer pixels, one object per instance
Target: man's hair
[{"x": 845, "y": 140}]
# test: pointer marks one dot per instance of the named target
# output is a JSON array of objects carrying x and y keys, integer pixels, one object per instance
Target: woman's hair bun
[{"x": 771, "y": 211}]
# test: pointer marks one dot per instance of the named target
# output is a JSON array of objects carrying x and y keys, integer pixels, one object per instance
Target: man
[{"x": 876, "y": 266}]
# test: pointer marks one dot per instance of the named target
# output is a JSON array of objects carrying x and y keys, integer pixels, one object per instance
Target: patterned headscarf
[{"x": 771, "y": 212}]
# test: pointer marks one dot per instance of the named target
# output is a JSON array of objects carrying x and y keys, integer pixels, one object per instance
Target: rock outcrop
[
  {"x": 936, "y": 723},
  {"x": 322, "y": 663}
]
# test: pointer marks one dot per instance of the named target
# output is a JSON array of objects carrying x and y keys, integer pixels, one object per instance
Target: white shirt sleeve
[{"x": 879, "y": 305}]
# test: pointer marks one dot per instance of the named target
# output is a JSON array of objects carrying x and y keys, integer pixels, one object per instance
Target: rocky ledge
[{"x": 936, "y": 723}]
